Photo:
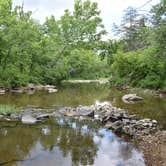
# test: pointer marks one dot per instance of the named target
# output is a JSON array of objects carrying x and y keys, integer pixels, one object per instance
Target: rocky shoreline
[
  {"x": 154, "y": 148},
  {"x": 30, "y": 88},
  {"x": 119, "y": 120}
]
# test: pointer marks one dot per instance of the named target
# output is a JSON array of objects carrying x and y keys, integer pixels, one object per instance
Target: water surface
[
  {"x": 87, "y": 94},
  {"x": 64, "y": 142}
]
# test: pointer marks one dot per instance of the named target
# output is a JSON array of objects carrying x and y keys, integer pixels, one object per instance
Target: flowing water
[{"x": 66, "y": 142}]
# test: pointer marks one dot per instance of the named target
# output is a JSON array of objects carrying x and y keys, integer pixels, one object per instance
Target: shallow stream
[{"x": 67, "y": 142}]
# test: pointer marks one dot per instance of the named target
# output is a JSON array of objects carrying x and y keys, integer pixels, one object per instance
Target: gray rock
[
  {"x": 17, "y": 90},
  {"x": 2, "y": 91},
  {"x": 14, "y": 116},
  {"x": 131, "y": 98},
  {"x": 44, "y": 116},
  {"x": 28, "y": 119},
  {"x": 63, "y": 110},
  {"x": 129, "y": 130},
  {"x": 85, "y": 111},
  {"x": 52, "y": 90},
  {"x": 46, "y": 87},
  {"x": 116, "y": 126},
  {"x": 39, "y": 87},
  {"x": 126, "y": 121},
  {"x": 154, "y": 121},
  {"x": 56, "y": 114},
  {"x": 71, "y": 113},
  {"x": 31, "y": 87}
]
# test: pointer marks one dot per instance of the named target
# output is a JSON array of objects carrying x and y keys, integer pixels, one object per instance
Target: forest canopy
[{"x": 72, "y": 47}]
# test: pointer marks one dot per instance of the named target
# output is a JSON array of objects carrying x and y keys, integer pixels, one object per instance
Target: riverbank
[
  {"x": 30, "y": 89},
  {"x": 154, "y": 149}
]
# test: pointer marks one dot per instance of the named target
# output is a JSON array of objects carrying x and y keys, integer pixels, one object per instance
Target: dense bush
[
  {"x": 86, "y": 64},
  {"x": 138, "y": 68}
]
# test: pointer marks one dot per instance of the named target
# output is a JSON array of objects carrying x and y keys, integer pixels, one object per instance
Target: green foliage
[
  {"x": 72, "y": 47},
  {"x": 4, "y": 109},
  {"x": 86, "y": 64},
  {"x": 138, "y": 68},
  {"x": 30, "y": 52},
  {"x": 141, "y": 58}
]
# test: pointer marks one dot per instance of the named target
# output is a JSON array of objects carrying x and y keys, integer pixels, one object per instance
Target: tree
[
  {"x": 20, "y": 50},
  {"x": 82, "y": 26},
  {"x": 133, "y": 30}
]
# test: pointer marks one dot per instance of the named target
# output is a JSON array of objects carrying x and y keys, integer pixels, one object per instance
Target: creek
[{"x": 67, "y": 141}]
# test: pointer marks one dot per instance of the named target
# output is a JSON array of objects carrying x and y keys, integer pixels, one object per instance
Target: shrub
[{"x": 138, "y": 68}]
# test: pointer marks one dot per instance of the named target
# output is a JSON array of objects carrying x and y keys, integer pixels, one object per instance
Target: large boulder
[
  {"x": 130, "y": 98},
  {"x": 28, "y": 119}
]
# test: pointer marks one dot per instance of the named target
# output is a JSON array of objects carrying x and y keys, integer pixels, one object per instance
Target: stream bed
[{"x": 68, "y": 141}]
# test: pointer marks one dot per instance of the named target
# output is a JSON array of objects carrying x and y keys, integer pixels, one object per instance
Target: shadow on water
[{"x": 64, "y": 142}]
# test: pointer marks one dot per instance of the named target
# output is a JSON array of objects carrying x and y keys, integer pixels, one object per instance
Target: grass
[{"x": 4, "y": 109}]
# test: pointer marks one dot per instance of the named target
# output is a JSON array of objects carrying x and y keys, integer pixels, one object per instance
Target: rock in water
[
  {"x": 129, "y": 98},
  {"x": 2, "y": 91},
  {"x": 17, "y": 90},
  {"x": 85, "y": 111},
  {"x": 44, "y": 116},
  {"x": 52, "y": 90},
  {"x": 31, "y": 87},
  {"x": 116, "y": 126},
  {"x": 28, "y": 119}
]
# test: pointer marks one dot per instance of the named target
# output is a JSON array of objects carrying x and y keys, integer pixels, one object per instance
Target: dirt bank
[{"x": 154, "y": 149}]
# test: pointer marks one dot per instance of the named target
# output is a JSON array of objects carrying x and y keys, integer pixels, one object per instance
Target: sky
[{"x": 111, "y": 10}]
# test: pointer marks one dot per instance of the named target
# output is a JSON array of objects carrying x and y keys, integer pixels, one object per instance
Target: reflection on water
[
  {"x": 87, "y": 94},
  {"x": 64, "y": 142}
]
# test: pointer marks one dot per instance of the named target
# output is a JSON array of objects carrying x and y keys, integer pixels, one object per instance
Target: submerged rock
[
  {"x": 28, "y": 119},
  {"x": 129, "y": 98},
  {"x": 113, "y": 118}
]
